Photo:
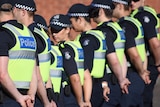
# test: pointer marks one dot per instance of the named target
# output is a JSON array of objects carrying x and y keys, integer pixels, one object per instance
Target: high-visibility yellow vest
[
  {"x": 153, "y": 12},
  {"x": 21, "y": 56},
  {"x": 99, "y": 54},
  {"x": 139, "y": 39},
  {"x": 119, "y": 43},
  {"x": 44, "y": 57},
  {"x": 79, "y": 58},
  {"x": 56, "y": 69}
]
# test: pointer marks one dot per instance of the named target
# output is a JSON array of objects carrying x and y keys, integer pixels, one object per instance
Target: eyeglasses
[{"x": 135, "y": 0}]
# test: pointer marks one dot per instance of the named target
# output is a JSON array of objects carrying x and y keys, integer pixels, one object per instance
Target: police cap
[
  {"x": 125, "y": 2},
  {"x": 40, "y": 21},
  {"x": 28, "y": 5},
  {"x": 105, "y": 4},
  {"x": 60, "y": 21},
  {"x": 6, "y": 2},
  {"x": 78, "y": 10}
]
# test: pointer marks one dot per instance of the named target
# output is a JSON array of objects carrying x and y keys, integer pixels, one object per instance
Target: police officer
[
  {"x": 54, "y": 91},
  {"x": 101, "y": 12},
  {"x": 135, "y": 52},
  {"x": 72, "y": 53},
  {"x": 17, "y": 49},
  {"x": 94, "y": 46},
  {"x": 150, "y": 22},
  {"x": 24, "y": 12},
  {"x": 41, "y": 22}
]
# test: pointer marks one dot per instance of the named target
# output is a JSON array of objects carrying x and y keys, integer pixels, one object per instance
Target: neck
[
  {"x": 104, "y": 19},
  {"x": 27, "y": 21},
  {"x": 125, "y": 13},
  {"x": 87, "y": 27},
  {"x": 6, "y": 16}
]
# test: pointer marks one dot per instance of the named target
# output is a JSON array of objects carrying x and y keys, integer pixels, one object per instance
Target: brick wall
[{"x": 48, "y": 8}]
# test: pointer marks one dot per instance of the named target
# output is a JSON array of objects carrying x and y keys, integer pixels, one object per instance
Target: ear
[
  {"x": 23, "y": 12},
  {"x": 79, "y": 20},
  {"x": 68, "y": 30},
  {"x": 120, "y": 6},
  {"x": 101, "y": 11}
]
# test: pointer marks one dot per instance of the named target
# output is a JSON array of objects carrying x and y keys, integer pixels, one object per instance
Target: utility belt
[
  {"x": 52, "y": 95},
  {"x": 4, "y": 95},
  {"x": 66, "y": 88},
  {"x": 96, "y": 80}
]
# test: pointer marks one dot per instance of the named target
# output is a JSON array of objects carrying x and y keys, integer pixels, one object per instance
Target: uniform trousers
[
  {"x": 115, "y": 92},
  {"x": 148, "y": 91},
  {"x": 59, "y": 99},
  {"x": 9, "y": 101},
  {"x": 136, "y": 89},
  {"x": 97, "y": 93},
  {"x": 69, "y": 100}
]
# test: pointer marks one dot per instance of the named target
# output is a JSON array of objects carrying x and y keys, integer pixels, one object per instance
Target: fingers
[
  {"x": 125, "y": 89},
  {"x": 106, "y": 91}
]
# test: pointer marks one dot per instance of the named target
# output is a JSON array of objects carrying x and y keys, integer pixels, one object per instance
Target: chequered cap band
[
  {"x": 101, "y": 6},
  {"x": 25, "y": 7},
  {"x": 120, "y": 1},
  {"x": 42, "y": 26},
  {"x": 78, "y": 14},
  {"x": 59, "y": 24}
]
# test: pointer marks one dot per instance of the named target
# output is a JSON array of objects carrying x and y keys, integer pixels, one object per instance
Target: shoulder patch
[
  {"x": 86, "y": 42},
  {"x": 146, "y": 19},
  {"x": 67, "y": 55}
]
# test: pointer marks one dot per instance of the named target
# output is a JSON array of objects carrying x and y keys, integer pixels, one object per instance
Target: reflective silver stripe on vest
[
  {"x": 119, "y": 45},
  {"x": 99, "y": 55},
  {"x": 14, "y": 29},
  {"x": 80, "y": 64},
  {"x": 55, "y": 73},
  {"x": 139, "y": 41},
  {"x": 39, "y": 32},
  {"x": 22, "y": 84},
  {"x": 44, "y": 57},
  {"x": 55, "y": 51},
  {"x": 108, "y": 70},
  {"x": 158, "y": 30},
  {"x": 22, "y": 54}
]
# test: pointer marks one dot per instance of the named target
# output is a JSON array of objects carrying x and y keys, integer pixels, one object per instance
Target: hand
[
  {"x": 30, "y": 102},
  {"x": 106, "y": 91},
  {"x": 158, "y": 68},
  {"x": 145, "y": 76},
  {"x": 53, "y": 104},
  {"x": 87, "y": 104},
  {"x": 24, "y": 100},
  {"x": 124, "y": 85},
  {"x": 81, "y": 104}
]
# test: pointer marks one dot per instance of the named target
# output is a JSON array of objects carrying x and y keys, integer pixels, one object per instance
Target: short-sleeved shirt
[
  {"x": 89, "y": 44},
  {"x": 149, "y": 23},
  {"x": 131, "y": 31},
  {"x": 7, "y": 40},
  {"x": 110, "y": 35},
  {"x": 69, "y": 63}
]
